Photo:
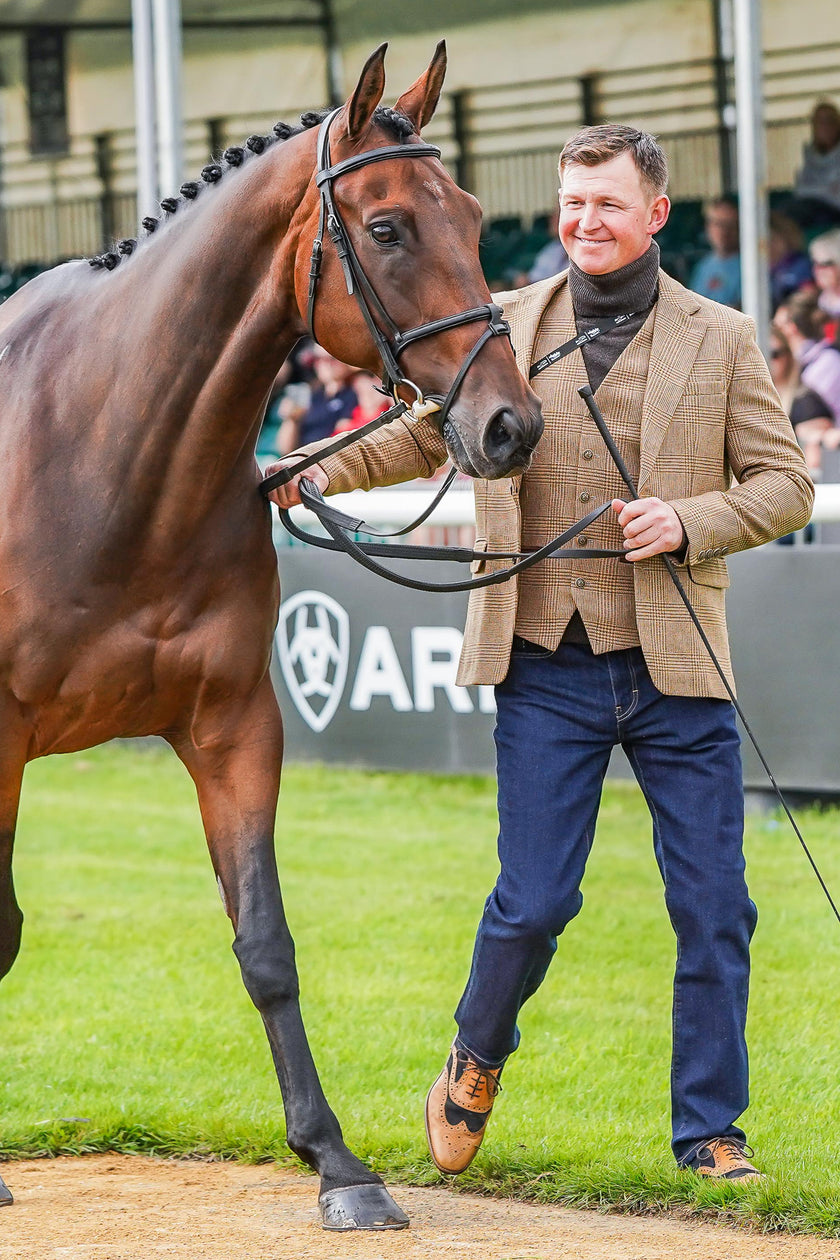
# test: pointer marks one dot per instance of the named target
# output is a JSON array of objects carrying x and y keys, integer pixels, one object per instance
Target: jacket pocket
[{"x": 710, "y": 573}]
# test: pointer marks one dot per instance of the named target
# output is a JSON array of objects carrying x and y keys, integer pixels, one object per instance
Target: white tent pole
[
  {"x": 144, "y": 107},
  {"x": 167, "y": 37},
  {"x": 752, "y": 167}
]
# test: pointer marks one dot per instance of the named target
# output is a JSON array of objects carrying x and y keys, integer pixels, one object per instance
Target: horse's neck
[{"x": 209, "y": 314}]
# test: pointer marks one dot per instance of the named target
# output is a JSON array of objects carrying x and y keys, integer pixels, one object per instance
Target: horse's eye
[{"x": 384, "y": 234}]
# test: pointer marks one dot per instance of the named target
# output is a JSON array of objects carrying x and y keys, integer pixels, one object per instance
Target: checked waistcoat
[{"x": 572, "y": 473}]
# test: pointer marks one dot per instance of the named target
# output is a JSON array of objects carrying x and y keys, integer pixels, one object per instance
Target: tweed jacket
[{"x": 715, "y": 443}]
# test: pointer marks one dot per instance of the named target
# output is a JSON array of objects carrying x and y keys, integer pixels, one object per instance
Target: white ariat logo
[{"x": 313, "y": 644}]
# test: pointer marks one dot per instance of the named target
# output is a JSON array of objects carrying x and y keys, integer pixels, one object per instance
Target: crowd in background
[
  {"x": 316, "y": 396},
  {"x": 804, "y": 275}
]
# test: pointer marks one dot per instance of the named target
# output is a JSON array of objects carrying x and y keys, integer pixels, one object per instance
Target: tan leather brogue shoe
[
  {"x": 723, "y": 1157},
  {"x": 458, "y": 1107}
]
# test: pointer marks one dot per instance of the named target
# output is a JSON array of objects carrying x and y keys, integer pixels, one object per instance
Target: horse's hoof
[
  {"x": 6, "y": 1195},
  {"x": 361, "y": 1207}
]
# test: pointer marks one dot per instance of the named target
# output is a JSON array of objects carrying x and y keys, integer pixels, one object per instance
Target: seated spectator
[
  {"x": 790, "y": 266},
  {"x": 552, "y": 258},
  {"x": 816, "y": 201},
  {"x": 718, "y": 274},
  {"x": 825, "y": 261},
  {"x": 331, "y": 401},
  {"x": 800, "y": 321},
  {"x": 809, "y": 414},
  {"x": 371, "y": 402}
]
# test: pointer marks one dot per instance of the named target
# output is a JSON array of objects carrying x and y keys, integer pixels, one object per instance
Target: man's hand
[
  {"x": 650, "y": 527},
  {"x": 288, "y": 496}
]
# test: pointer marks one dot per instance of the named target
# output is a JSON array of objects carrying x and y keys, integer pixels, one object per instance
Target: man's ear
[
  {"x": 358, "y": 111},
  {"x": 420, "y": 101},
  {"x": 659, "y": 212}
]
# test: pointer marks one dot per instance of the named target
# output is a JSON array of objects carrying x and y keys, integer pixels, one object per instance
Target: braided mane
[{"x": 232, "y": 158}]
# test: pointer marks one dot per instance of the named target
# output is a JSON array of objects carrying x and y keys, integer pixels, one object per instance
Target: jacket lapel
[
  {"x": 524, "y": 310},
  {"x": 677, "y": 336}
]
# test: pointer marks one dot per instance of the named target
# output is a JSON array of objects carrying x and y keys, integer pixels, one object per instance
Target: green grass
[{"x": 125, "y": 1026}]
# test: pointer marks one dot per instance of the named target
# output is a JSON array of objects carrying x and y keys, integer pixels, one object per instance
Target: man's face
[
  {"x": 607, "y": 216},
  {"x": 826, "y": 129},
  {"x": 826, "y": 272},
  {"x": 722, "y": 229}
]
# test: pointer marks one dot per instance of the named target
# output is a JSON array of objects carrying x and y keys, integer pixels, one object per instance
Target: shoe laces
[
  {"x": 473, "y": 1078},
  {"x": 732, "y": 1147}
]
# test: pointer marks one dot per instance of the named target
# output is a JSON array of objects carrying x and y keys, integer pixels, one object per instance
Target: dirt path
[{"x": 115, "y": 1207}]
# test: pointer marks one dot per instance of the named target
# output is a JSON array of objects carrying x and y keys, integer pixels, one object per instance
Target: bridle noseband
[{"x": 391, "y": 342}]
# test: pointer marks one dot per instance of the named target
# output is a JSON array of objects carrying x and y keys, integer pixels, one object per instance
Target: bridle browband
[{"x": 391, "y": 342}]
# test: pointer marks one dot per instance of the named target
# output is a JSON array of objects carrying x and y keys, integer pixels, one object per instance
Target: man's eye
[{"x": 384, "y": 234}]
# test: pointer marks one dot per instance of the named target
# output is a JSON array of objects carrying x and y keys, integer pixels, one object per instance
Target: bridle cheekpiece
[{"x": 391, "y": 342}]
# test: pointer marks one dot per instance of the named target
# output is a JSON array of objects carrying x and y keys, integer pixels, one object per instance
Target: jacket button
[
  {"x": 585, "y": 497},
  {"x": 579, "y": 583},
  {"x": 588, "y": 454},
  {"x": 583, "y": 539},
  {"x": 701, "y": 555}
]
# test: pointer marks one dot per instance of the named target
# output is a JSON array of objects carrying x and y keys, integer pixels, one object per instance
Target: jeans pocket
[{"x": 524, "y": 647}]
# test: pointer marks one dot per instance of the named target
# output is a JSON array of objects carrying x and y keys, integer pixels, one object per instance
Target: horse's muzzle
[{"x": 509, "y": 439}]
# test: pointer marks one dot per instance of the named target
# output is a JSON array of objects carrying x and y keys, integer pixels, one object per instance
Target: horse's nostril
[
  {"x": 499, "y": 432},
  {"x": 506, "y": 436}
]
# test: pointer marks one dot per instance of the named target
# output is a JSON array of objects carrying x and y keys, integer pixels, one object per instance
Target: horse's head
[{"x": 414, "y": 238}]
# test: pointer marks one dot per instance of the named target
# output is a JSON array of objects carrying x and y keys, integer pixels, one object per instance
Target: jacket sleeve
[
  {"x": 399, "y": 451},
  {"x": 773, "y": 493}
]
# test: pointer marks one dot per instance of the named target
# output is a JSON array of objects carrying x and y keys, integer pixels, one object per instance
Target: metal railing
[{"x": 500, "y": 141}]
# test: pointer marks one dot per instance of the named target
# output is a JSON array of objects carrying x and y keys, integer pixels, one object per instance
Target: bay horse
[{"x": 137, "y": 569}]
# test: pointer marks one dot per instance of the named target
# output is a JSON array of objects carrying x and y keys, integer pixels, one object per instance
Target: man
[
  {"x": 718, "y": 274},
  {"x": 585, "y": 656},
  {"x": 816, "y": 200}
]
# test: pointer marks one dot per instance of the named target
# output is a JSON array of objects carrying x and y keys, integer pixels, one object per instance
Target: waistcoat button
[
  {"x": 587, "y": 454},
  {"x": 579, "y": 583},
  {"x": 585, "y": 497},
  {"x": 583, "y": 539}
]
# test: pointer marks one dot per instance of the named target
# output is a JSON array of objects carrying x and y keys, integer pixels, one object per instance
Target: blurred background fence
[{"x": 500, "y": 140}]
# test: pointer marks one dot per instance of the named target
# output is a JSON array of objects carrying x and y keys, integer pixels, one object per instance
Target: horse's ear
[
  {"x": 359, "y": 109},
  {"x": 420, "y": 101}
]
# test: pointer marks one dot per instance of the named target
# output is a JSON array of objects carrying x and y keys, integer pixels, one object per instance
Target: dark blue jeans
[{"x": 559, "y": 715}]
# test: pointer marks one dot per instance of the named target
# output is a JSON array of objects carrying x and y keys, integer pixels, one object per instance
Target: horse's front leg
[
  {"x": 234, "y": 757},
  {"x": 14, "y": 738}
]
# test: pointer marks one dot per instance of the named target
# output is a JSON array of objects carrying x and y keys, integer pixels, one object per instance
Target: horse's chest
[{"x": 140, "y": 675}]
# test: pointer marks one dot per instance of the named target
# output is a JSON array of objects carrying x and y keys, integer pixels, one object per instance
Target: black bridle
[
  {"x": 339, "y": 526},
  {"x": 390, "y": 342}
]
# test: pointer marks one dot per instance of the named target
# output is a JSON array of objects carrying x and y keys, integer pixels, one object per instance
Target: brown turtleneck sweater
[{"x": 595, "y": 298}]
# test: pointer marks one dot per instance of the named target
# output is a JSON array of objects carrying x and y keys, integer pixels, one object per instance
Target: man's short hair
[
  {"x": 726, "y": 200},
  {"x": 593, "y": 145}
]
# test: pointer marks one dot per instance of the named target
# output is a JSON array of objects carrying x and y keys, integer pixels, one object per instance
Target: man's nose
[{"x": 590, "y": 218}]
